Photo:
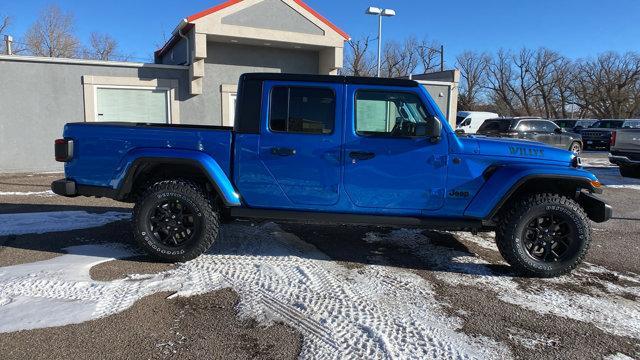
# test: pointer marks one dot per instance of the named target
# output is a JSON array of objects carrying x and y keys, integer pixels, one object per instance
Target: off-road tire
[
  {"x": 630, "y": 171},
  {"x": 513, "y": 221},
  {"x": 204, "y": 209}
]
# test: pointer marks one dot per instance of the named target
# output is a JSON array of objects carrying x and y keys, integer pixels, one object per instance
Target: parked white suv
[{"x": 470, "y": 121}]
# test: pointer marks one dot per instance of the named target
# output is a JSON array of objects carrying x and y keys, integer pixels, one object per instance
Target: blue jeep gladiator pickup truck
[{"x": 336, "y": 149}]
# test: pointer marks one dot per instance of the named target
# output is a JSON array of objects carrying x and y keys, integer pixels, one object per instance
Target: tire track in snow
[
  {"x": 611, "y": 311},
  {"x": 369, "y": 312}
]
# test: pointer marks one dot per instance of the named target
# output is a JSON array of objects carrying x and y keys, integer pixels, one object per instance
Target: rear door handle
[
  {"x": 362, "y": 155},
  {"x": 283, "y": 151}
]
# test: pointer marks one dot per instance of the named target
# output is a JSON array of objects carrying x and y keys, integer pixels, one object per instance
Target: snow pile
[
  {"x": 47, "y": 193},
  {"x": 369, "y": 312},
  {"x": 43, "y": 222},
  {"x": 610, "y": 309}
]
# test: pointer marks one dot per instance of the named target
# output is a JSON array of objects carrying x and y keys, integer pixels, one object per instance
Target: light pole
[{"x": 380, "y": 13}]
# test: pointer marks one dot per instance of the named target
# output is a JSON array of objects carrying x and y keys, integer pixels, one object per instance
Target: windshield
[
  {"x": 608, "y": 124},
  {"x": 495, "y": 125}
]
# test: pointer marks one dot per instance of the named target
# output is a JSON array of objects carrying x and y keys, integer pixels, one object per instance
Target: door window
[
  {"x": 390, "y": 114},
  {"x": 302, "y": 110},
  {"x": 547, "y": 126}
]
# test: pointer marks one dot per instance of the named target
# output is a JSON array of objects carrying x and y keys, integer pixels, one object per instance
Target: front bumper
[
  {"x": 596, "y": 209},
  {"x": 596, "y": 142},
  {"x": 64, "y": 187},
  {"x": 623, "y": 160}
]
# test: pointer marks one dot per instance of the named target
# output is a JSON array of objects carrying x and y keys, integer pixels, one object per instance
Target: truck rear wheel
[
  {"x": 175, "y": 220},
  {"x": 544, "y": 235}
]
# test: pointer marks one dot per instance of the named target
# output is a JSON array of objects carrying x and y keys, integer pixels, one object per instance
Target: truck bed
[{"x": 101, "y": 149}]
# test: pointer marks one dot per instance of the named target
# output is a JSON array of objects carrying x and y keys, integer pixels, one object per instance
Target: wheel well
[
  {"x": 568, "y": 187},
  {"x": 145, "y": 173}
]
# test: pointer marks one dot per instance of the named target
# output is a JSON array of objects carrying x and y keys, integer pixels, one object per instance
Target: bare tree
[
  {"x": 399, "y": 59},
  {"x": 499, "y": 79},
  {"x": 522, "y": 84},
  {"x": 542, "y": 69},
  {"x": 52, "y": 34},
  {"x": 102, "y": 47},
  {"x": 429, "y": 55},
  {"x": 609, "y": 86},
  {"x": 5, "y": 21},
  {"x": 359, "y": 61},
  {"x": 473, "y": 69},
  {"x": 563, "y": 77}
]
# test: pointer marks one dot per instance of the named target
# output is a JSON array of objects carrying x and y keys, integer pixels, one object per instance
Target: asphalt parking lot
[{"x": 72, "y": 285}]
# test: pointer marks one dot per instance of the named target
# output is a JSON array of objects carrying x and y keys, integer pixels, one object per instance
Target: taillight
[
  {"x": 63, "y": 149},
  {"x": 613, "y": 138}
]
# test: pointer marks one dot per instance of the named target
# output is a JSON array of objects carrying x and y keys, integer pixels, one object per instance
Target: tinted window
[
  {"x": 546, "y": 126},
  {"x": 631, "y": 124},
  {"x": 495, "y": 125},
  {"x": 302, "y": 110},
  {"x": 459, "y": 119},
  {"x": 608, "y": 124},
  {"x": 390, "y": 114},
  {"x": 566, "y": 123},
  {"x": 525, "y": 126}
]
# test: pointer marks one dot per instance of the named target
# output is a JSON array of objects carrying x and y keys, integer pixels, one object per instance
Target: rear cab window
[{"x": 305, "y": 110}]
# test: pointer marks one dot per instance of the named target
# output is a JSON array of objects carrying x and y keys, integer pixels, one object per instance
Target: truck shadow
[
  {"x": 411, "y": 249},
  {"x": 351, "y": 246}
]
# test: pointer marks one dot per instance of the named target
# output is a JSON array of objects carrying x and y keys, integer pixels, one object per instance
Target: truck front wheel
[
  {"x": 544, "y": 235},
  {"x": 175, "y": 220}
]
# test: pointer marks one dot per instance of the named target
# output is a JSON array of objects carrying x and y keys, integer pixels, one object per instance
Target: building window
[
  {"x": 302, "y": 110},
  {"x": 131, "y": 99},
  {"x": 150, "y": 105}
]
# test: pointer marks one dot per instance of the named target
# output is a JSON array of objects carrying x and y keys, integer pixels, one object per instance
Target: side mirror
[
  {"x": 558, "y": 130},
  {"x": 460, "y": 132},
  {"x": 434, "y": 130}
]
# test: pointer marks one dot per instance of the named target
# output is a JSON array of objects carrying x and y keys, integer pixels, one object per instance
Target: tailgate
[{"x": 627, "y": 140}]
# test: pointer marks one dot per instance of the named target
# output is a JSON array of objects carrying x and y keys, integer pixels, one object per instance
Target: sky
[{"x": 576, "y": 28}]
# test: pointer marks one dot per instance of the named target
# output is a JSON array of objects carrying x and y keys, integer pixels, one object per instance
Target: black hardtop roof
[{"x": 329, "y": 79}]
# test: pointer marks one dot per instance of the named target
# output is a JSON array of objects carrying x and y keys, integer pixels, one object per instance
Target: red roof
[
  {"x": 174, "y": 39},
  {"x": 299, "y": 2}
]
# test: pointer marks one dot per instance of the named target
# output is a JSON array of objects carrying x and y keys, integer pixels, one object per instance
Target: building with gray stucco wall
[
  {"x": 193, "y": 80},
  {"x": 198, "y": 69}
]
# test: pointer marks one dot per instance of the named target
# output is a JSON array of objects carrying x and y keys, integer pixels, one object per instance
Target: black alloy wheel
[
  {"x": 548, "y": 238},
  {"x": 173, "y": 222}
]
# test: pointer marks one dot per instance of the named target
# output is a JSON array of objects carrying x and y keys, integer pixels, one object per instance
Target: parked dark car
[
  {"x": 535, "y": 129},
  {"x": 574, "y": 125},
  {"x": 599, "y": 134}
]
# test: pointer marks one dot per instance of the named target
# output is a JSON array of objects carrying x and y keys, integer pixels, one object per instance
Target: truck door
[
  {"x": 300, "y": 140},
  {"x": 387, "y": 163}
]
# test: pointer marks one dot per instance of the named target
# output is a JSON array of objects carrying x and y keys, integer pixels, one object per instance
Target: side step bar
[{"x": 340, "y": 218}]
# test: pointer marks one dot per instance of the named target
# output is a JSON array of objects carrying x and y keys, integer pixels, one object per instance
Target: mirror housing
[
  {"x": 434, "y": 130},
  {"x": 460, "y": 132},
  {"x": 558, "y": 130}
]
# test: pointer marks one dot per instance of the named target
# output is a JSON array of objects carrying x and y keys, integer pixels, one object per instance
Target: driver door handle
[
  {"x": 283, "y": 151},
  {"x": 362, "y": 155}
]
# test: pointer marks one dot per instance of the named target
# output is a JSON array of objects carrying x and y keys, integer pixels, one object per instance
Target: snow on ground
[
  {"x": 47, "y": 193},
  {"x": 606, "y": 305},
  {"x": 596, "y": 162},
  {"x": 43, "y": 222},
  {"x": 368, "y": 312}
]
